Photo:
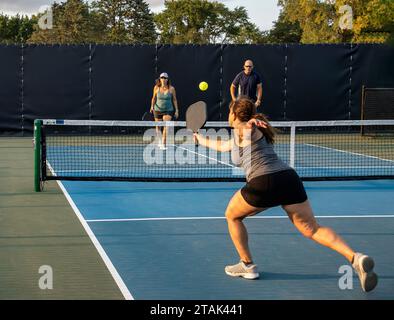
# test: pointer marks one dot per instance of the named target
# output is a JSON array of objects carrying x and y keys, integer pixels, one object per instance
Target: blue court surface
[{"x": 170, "y": 240}]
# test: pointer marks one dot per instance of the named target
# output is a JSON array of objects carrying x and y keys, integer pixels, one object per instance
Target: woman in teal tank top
[{"x": 163, "y": 105}]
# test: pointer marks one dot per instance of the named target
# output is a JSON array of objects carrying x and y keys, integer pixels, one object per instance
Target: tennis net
[{"x": 130, "y": 150}]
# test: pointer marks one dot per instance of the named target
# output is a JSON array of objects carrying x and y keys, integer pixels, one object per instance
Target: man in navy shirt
[{"x": 248, "y": 84}]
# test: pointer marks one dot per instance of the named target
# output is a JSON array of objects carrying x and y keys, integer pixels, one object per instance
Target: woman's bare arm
[{"x": 215, "y": 144}]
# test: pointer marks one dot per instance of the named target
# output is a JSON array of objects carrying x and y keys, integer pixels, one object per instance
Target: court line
[
  {"x": 111, "y": 268},
  {"x": 349, "y": 152},
  {"x": 205, "y": 156},
  {"x": 222, "y": 218}
]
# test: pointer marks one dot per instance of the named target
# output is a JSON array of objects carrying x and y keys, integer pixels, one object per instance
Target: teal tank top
[{"x": 164, "y": 102}]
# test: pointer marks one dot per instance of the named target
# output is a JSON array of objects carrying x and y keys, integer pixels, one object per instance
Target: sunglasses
[
  {"x": 248, "y": 66},
  {"x": 163, "y": 78}
]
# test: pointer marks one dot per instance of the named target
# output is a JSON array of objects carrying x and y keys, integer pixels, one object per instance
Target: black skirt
[
  {"x": 274, "y": 189},
  {"x": 159, "y": 114}
]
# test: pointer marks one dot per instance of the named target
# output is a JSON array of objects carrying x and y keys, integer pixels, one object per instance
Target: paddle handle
[{"x": 196, "y": 143}]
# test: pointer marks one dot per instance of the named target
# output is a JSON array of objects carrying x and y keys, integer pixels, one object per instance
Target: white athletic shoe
[
  {"x": 242, "y": 270},
  {"x": 162, "y": 146},
  {"x": 364, "y": 267}
]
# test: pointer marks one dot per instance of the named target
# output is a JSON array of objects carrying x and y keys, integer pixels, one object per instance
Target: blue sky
[{"x": 261, "y": 12}]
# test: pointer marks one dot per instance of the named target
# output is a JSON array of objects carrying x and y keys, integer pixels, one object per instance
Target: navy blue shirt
[{"x": 248, "y": 84}]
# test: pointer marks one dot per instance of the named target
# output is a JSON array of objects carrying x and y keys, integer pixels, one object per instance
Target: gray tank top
[{"x": 257, "y": 159}]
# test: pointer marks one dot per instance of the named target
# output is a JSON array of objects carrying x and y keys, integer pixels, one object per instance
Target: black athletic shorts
[
  {"x": 159, "y": 114},
  {"x": 274, "y": 189}
]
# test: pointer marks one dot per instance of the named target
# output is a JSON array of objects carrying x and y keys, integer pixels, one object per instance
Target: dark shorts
[
  {"x": 159, "y": 114},
  {"x": 274, "y": 189}
]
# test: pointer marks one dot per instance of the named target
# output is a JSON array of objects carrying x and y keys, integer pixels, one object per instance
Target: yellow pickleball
[{"x": 203, "y": 86}]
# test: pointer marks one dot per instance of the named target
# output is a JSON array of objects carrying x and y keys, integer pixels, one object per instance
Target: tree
[
  {"x": 72, "y": 24},
  {"x": 320, "y": 20},
  {"x": 284, "y": 31},
  {"x": 373, "y": 19},
  {"x": 16, "y": 29},
  {"x": 202, "y": 22},
  {"x": 126, "y": 21},
  {"x": 314, "y": 17},
  {"x": 143, "y": 29}
]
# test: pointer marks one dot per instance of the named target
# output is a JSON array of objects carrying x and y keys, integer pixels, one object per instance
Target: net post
[
  {"x": 292, "y": 144},
  {"x": 37, "y": 155}
]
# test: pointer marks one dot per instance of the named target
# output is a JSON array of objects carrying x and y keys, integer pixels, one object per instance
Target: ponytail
[
  {"x": 269, "y": 132},
  {"x": 245, "y": 109}
]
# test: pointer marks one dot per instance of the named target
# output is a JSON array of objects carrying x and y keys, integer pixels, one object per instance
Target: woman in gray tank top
[{"x": 271, "y": 182}]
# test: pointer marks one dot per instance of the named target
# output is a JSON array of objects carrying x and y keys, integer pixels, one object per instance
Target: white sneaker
[
  {"x": 364, "y": 267},
  {"x": 162, "y": 146},
  {"x": 242, "y": 270}
]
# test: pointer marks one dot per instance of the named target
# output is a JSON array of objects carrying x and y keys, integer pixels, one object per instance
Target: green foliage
[
  {"x": 203, "y": 22},
  {"x": 105, "y": 21},
  {"x": 373, "y": 20},
  {"x": 284, "y": 31},
  {"x": 126, "y": 21},
  {"x": 130, "y": 21},
  {"x": 16, "y": 29},
  {"x": 71, "y": 25},
  {"x": 320, "y": 20}
]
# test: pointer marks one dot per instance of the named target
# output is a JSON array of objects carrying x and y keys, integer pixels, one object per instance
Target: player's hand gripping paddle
[
  {"x": 196, "y": 116},
  {"x": 147, "y": 116}
]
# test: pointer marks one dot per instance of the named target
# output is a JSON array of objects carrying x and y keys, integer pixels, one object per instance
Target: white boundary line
[
  {"x": 205, "y": 156},
  {"x": 123, "y": 288},
  {"x": 349, "y": 152},
  {"x": 221, "y": 218},
  {"x": 111, "y": 268}
]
